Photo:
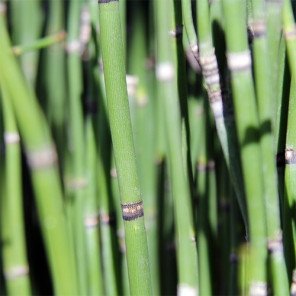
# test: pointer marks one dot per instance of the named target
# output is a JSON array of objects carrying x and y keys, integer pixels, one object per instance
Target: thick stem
[
  {"x": 121, "y": 132},
  {"x": 239, "y": 63}
]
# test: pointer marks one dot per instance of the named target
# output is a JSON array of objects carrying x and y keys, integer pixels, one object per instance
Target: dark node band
[
  {"x": 108, "y": 219},
  {"x": 177, "y": 32},
  {"x": 132, "y": 211},
  {"x": 275, "y": 245},
  {"x": 106, "y": 1},
  {"x": 203, "y": 167},
  {"x": 257, "y": 29},
  {"x": 286, "y": 157}
]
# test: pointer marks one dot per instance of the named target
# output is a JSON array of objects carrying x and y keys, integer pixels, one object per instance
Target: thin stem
[
  {"x": 41, "y": 158},
  {"x": 221, "y": 107},
  {"x": 167, "y": 87},
  {"x": 39, "y": 44},
  {"x": 16, "y": 268}
]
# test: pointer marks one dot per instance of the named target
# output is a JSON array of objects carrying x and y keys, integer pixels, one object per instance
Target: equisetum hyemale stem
[
  {"x": 121, "y": 132},
  {"x": 263, "y": 80},
  {"x": 189, "y": 27},
  {"x": 168, "y": 94},
  {"x": 221, "y": 107},
  {"x": 42, "y": 161},
  {"x": 239, "y": 64},
  {"x": 289, "y": 29},
  {"x": 15, "y": 263},
  {"x": 288, "y": 160}
]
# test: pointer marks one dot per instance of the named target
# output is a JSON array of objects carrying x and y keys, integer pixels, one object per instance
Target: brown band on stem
[
  {"x": 275, "y": 246},
  {"x": 106, "y": 1},
  {"x": 91, "y": 221},
  {"x": 177, "y": 32},
  {"x": 258, "y": 289},
  {"x": 16, "y": 272},
  {"x": 132, "y": 211},
  {"x": 203, "y": 167},
  {"x": 290, "y": 156},
  {"x": 287, "y": 157},
  {"x": 214, "y": 96},
  {"x": 3, "y": 8},
  {"x": 107, "y": 218},
  {"x": 290, "y": 34},
  {"x": 42, "y": 159},
  {"x": 11, "y": 138},
  {"x": 210, "y": 69},
  {"x": 257, "y": 28}
]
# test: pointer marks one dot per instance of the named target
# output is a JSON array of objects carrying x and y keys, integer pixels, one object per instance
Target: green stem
[
  {"x": 239, "y": 62},
  {"x": 77, "y": 183},
  {"x": 121, "y": 132},
  {"x": 166, "y": 74},
  {"x": 143, "y": 131},
  {"x": 41, "y": 157},
  {"x": 16, "y": 268},
  {"x": 26, "y": 24},
  {"x": 264, "y": 95},
  {"x": 221, "y": 109},
  {"x": 189, "y": 27},
  {"x": 55, "y": 80},
  {"x": 39, "y": 43}
]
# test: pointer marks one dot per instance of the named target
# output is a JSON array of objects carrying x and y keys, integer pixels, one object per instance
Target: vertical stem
[
  {"x": 121, "y": 132},
  {"x": 166, "y": 74},
  {"x": 239, "y": 63},
  {"x": 143, "y": 131},
  {"x": 221, "y": 107},
  {"x": 41, "y": 158},
  {"x": 189, "y": 27},
  {"x": 16, "y": 268},
  {"x": 264, "y": 95},
  {"x": 76, "y": 183},
  {"x": 26, "y": 24},
  {"x": 55, "y": 76}
]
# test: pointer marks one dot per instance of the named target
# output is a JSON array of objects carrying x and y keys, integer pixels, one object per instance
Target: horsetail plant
[
  {"x": 121, "y": 132},
  {"x": 239, "y": 63},
  {"x": 221, "y": 107},
  {"x": 41, "y": 158},
  {"x": 265, "y": 112},
  {"x": 102, "y": 118},
  {"x": 166, "y": 74},
  {"x": 16, "y": 269}
]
